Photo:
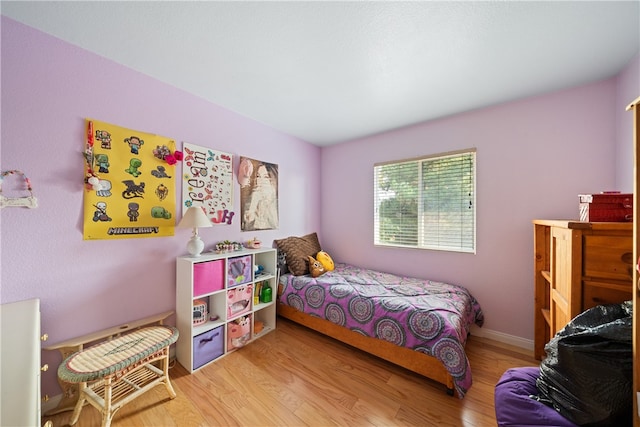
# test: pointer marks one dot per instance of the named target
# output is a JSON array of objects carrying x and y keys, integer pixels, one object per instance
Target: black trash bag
[{"x": 588, "y": 372}]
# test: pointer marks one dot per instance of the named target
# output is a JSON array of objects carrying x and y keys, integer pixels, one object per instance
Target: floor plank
[{"x": 296, "y": 377}]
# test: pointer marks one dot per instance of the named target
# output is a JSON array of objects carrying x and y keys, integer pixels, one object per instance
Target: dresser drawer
[
  {"x": 608, "y": 257},
  {"x": 599, "y": 293}
]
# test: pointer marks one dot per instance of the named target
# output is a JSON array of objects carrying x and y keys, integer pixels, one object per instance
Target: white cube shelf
[{"x": 226, "y": 283}]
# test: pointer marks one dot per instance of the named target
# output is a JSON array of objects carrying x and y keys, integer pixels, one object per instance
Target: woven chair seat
[{"x": 114, "y": 356}]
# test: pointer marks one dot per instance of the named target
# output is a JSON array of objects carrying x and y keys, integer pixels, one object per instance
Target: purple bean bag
[{"x": 514, "y": 407}]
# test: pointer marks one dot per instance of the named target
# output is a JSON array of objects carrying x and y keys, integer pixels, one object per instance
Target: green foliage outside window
[{"x": 427, "y": 203}]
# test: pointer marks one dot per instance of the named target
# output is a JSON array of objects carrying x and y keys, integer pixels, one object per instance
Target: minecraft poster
[{"x": 130, "y": 186}]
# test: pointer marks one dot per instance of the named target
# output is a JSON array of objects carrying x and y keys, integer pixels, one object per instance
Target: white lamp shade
[{"x": 194, "y": 218}]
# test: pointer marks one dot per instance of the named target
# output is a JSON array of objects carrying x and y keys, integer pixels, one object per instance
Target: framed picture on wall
[{"x": 258, "y": 194}]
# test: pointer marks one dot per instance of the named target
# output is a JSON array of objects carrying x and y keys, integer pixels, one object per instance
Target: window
[{"x": 427, "y": 203}]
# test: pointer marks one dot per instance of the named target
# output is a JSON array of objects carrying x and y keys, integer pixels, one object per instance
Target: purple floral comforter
[{"x": 423, "y": 315}]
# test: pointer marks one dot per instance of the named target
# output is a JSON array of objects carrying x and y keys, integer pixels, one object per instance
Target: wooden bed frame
[{"x": 412, "y": 360}]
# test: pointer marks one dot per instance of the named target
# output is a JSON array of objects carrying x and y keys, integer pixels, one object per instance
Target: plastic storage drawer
[{"x": 208, "y": 346}]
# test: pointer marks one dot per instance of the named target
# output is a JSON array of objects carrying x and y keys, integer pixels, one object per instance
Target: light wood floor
[{"x": 296, "y": 377}]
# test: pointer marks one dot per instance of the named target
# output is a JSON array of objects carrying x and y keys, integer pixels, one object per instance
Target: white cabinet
[
  {"x": 20, "y": 363},
  {"x": 218, "y": 303}
]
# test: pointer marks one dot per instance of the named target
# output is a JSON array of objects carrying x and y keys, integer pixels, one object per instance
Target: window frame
[{"x": 420, "y": 233}]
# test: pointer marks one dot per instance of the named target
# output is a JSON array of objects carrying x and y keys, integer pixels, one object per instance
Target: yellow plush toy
[
  {"x": 325, "y": 260},
  {"x": 315, "y": 267}
]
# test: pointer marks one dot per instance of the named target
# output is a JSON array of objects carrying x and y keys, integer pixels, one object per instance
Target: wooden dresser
[
  {"x": 578, "y": 265},
  {"x": 634, "y": 107}
]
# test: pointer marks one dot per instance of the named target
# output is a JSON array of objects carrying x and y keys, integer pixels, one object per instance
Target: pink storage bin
[
  {"x": 208, "y": 277},
  {"x": 239, "y": 300},
  {"x": 238, "y": 332},
  {"x": 239, "y": 270}
]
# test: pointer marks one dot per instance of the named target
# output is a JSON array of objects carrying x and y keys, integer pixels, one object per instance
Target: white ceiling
[{"x": 328, "y": 71}]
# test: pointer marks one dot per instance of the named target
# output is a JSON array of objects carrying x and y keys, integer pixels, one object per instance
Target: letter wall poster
[
  {"x": 207, "y": 181},
  {"x": 129, "y": 183}
]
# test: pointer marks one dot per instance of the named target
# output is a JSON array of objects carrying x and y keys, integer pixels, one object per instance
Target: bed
[{"x": 421, "y": 325}]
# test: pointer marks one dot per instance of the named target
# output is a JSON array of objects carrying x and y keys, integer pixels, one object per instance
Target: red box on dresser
[{"x": 606, "y": 207}]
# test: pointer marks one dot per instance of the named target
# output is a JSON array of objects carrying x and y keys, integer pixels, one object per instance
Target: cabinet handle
[
  {"x": 45, "y": 398},
  {"x": 44, "y": 337},
  {"x": 44, "y": 368},
  {"x": 205, "y": 340}
]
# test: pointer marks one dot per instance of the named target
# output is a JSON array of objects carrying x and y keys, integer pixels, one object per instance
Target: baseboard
[{"x": 502, "y": 337}]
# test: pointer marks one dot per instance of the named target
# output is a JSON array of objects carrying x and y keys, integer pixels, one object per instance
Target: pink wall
[
  {"x": 533, "y": 158},
  {"x": 627, "y": 90},
  {"x": 48, "y": 88}
]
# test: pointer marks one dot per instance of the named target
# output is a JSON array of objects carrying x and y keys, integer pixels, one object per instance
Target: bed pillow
[{"x": 296, "y": 251}]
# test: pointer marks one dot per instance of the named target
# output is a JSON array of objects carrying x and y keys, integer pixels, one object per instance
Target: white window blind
[{"x": 426, "y": 203}]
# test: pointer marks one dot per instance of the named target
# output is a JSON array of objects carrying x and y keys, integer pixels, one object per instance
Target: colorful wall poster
[
  {"x": 207, "y": 181},
  {"x": 258, "y": 194},
  {"x": 130, "y": 183}
]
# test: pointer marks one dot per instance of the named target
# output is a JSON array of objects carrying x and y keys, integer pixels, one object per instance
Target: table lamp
[{"x": 194, "y": 218}]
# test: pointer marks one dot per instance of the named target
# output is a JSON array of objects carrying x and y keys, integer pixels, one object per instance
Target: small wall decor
[
  {"x": 129, "y": 183},
  {"x": 258, "y": 194},
  {"x": 207, "y": 182},
  {"x": 29, "y": 201}
]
